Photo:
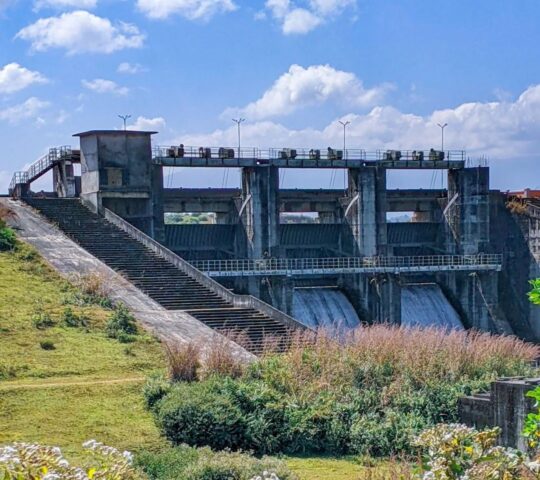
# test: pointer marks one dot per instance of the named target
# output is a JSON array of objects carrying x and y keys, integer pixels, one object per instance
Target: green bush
[
  {"x": 121, "y": 324},
  {"x": 71, "y": 319},
  {"x": 47, "y": 345},
  {"x": 199, "y": 415},
  {"x": 42, "y": 320},
  {"x": 370, "y": 394},
  {"x": 8, "y": 240},
  {"x": 155, "y": 388},
  {"x": 189, "y": 463}
]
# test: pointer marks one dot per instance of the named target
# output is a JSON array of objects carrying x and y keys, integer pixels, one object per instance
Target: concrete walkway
[{"x": 70, "y": 260}]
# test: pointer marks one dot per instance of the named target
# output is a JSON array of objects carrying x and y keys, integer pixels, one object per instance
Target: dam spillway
[
  {"x": 425, "y": 305},
  {"x": 326, "y": 308}
]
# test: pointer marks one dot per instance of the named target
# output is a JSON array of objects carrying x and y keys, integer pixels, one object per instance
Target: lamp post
[
  {"x": 344, "y": 135},
  {"x": 442, "y": 134},
  {"x": 238, "y": 122},
  {"x": 124, "y": 118},
  {"x": 443, "y": 126}
]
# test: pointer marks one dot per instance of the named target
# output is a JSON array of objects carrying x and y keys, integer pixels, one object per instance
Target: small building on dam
[{"x": 463, "y": 261}]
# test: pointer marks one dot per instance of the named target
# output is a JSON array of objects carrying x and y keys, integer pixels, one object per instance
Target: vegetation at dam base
[{"x": 370, "y": 394}]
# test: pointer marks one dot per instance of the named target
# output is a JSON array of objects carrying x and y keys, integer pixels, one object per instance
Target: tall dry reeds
[
  {"x": 94, "y": 284},
  {"x": 183, "y": 361},
  {"x": 428, "y": 355},
  {"x": 7, "y": 213},
  {"x": 200, "y": 359}
]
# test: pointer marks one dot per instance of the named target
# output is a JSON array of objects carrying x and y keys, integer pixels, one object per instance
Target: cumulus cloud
[
  {"x": 28, "y": 109},
  {"x": 81, "y": 32},
  {"x": 60, "y": 4},
  {"x": 129, "y": 68},
  {"x": 303, "y": 16},
  {"x": 14, "y": 77},
  {"x": 190, "y": 9},
  {"x": 100, "y": 85},
  {"x": 501, "y": 129},
  {"x": 145, "y": 124},
  {"x": 315, "y": 85}
]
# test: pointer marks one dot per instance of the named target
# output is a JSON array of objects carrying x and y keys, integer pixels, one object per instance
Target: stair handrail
[
  {"x": 41, "y": 165},
  {"x": 240, "y": 301}
]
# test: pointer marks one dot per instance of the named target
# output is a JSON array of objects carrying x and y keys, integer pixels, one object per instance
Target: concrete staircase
[{"x": 155, "y": 276}]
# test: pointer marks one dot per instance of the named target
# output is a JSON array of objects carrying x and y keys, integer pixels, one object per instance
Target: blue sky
[{"x": 292, "y": 68}]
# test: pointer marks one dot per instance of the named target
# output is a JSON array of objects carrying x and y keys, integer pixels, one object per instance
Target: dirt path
[{"x": 38, "y": 385}]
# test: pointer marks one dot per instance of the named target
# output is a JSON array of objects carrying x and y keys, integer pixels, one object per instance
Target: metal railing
[
  {"x": 230, "y": 155},
  {"x": 40, "y": 166},
  {"x": 348, "y": 265}
]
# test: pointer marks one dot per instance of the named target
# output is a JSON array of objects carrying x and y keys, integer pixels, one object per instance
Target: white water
[
  {"x": 325, "y": 308},
  {"x": 425, "y": 305}
]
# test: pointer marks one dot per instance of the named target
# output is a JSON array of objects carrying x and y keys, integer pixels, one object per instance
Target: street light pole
[
  {"x": 443, "y": 126},
  {"x": 344, "y": 135},
  {"x": 442, "y": 134},
  {"x": 124, "y": 118},
  {"x": 238, "y": 122}
]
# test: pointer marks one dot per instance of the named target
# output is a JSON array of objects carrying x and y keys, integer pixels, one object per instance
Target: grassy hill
[{"x": 61, "y": 384}]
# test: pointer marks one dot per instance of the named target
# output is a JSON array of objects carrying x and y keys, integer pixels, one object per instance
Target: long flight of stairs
[{"x": 159, "y": 279}]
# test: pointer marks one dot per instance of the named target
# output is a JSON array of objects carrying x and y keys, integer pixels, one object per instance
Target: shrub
[
  {"x": 155, "y": 388},
  {"x": 26, "y": 461},
  {"x": 47, "y": 345},
  {"x": 42, "y": 320},
  {"x": 183, "y": 361},
  {"x": 8, "y": 239},
  {"x": 199, "y": 415},
  {"x": 202, "y": 464},
  {"x": 459, "y": 452},
  {"x": 121, "y": 324},
  {"x": 71, "y": 319},
  {"x": 371, "y": 393}
]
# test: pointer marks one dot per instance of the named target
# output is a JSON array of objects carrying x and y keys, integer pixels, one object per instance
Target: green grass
[{"x": 33, "y": 410}]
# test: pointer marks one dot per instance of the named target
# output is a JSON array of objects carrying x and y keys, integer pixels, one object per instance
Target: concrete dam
[{"x": 462, "y": 262}]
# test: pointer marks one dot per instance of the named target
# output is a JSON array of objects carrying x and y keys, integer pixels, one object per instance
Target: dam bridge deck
[
  {"x": 307, "y": 158},
  {"x": 348, "y": 265}
]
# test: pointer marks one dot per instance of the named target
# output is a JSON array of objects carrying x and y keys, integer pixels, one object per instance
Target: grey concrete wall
[{"x": 505, "y": 406}]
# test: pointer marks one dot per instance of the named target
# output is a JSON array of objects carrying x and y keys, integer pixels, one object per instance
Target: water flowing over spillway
[
  {"x": 425, "y": 305},
  {"x": 325, "y": 308}
]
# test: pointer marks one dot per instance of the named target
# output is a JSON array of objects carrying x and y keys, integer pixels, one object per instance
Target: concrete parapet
[{"x": 505, "y": 406}]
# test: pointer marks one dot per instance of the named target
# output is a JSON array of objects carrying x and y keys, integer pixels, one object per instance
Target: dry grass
[
  {"x": 7, "y": 213},
  {"x": 93, "y": 284},
  {"x": 183, "y": 361},
  {"x": 517, "y": 206},
  {"x": 422, "y": 355},
  {"x": 219, "y": 358}
]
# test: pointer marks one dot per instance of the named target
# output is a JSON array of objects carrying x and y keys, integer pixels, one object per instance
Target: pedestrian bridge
[{"x": 348, "y": 265}]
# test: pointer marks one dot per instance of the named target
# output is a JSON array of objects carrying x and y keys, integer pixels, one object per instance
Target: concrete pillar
[
  {"x": 467, "y": 216},
  {"x": 156, "y": 200},
  {"x": 366, "y": 210},
  {"x": 260, "y": 210},
  {"x": 64, "y": 180}
]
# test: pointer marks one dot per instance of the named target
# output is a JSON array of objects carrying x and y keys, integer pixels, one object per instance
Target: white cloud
[
  {"x": 14, "y": 78},
  {"x": 303, "y": 16},
  {"x": 301, "y": 87},
  {"x": 28, "y": 109},
  {"x": 81, "y": 32},
  {"x": 129, "y": 68},
  {"x": 60, "y": 4},
  {"x": 145, "y": 124},
  {"x": 190, "y": 9},
  {"x": 100, "y": 85},
  {"x": 501, "y": 129}
]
